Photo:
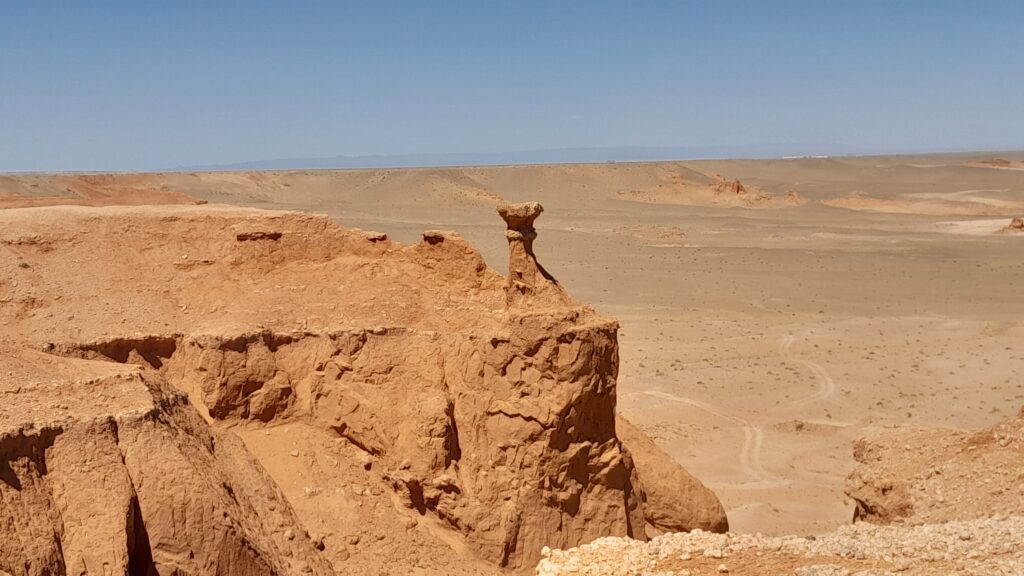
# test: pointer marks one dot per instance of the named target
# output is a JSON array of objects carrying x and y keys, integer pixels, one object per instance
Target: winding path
[
  {"x": 753, "y": 437},
  {"x": 826, "y": 385}
]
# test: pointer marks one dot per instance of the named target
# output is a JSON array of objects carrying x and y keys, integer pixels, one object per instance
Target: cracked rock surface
[
  {"x": 475, "y": 425},
  {"x": 104, "y": 469}
]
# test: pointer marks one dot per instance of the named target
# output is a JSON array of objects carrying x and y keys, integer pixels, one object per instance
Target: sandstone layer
[
  {"x": 26, "y": 190},
  {"x": 105, "y": 469},
  {"x": 494, "y": 420}
]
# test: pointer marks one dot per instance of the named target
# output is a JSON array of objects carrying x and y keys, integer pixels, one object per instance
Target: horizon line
[{"x": 240, "y": 166}]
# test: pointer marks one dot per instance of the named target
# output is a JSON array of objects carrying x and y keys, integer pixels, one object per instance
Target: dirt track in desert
[{"x": 764, "y": 326}]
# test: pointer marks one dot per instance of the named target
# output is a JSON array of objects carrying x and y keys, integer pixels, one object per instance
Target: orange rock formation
[{"x": 489, "y": 410}]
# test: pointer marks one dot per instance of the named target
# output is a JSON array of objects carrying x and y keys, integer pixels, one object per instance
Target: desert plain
[
  {"x": 760, "y": 337},
  {"x": 771, "y": 312}
]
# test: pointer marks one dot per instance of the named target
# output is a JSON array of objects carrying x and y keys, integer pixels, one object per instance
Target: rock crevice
[{"x": 132, "y": 481}]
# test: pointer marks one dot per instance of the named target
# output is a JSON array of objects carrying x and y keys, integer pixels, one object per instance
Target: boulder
[{"x": 674, "y": 500}]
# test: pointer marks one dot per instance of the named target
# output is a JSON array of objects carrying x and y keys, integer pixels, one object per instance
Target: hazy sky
[{"x": 147, "y": 84}]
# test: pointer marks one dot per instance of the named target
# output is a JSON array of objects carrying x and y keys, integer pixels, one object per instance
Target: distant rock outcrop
[
  {"x": 691, "y": 188},
  {"x": 998, "y": 163},
  {"x": 722, "y": 186},
  {"x": 26, "y": 190}
]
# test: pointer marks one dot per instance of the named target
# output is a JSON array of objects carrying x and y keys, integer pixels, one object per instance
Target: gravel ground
[{"x": 991, "y": 546}]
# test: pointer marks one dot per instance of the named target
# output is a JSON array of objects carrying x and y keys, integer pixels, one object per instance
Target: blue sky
[{"x": 149, "y": 85}]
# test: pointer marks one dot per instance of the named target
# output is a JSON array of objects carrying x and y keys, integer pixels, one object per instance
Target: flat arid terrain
[{"x": 772, "y": 313}]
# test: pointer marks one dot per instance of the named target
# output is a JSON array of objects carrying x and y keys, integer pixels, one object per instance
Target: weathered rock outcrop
[
  {"x": 674, "y": 501},
  {"x": 914, "y": 476},
  {"x": 529, "y": 284},
  {"x": 509, "y": 439},
  {"x": 489, "y": 409},
  {"x": 104, "y": 469}
]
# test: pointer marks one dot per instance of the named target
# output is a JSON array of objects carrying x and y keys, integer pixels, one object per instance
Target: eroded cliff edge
[
  {"x": 105, "y": 469},
  {"x": 485, "y": 402}
]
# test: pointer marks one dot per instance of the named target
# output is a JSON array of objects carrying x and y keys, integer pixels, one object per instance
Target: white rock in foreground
[{"x": 993, "y": 546}]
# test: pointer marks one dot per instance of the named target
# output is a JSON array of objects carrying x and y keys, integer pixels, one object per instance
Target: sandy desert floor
[{"x": 764, "y": 327}]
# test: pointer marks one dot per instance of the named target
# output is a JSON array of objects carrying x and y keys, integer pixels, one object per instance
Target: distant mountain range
[{"x": 549, "y": 156}]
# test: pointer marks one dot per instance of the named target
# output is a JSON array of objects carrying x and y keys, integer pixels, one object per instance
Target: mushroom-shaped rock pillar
[{"x": 526, "y": 277}]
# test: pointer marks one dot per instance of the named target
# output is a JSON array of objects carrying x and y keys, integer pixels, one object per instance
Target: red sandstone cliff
[{"x": 485, "y": 403}]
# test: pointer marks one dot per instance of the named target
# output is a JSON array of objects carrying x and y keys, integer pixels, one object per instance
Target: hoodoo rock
[
  {"x": 489, "y": 412},
  {"x": 527, "y": 279}
]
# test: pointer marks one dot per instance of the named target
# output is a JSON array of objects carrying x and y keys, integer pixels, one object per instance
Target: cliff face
[
  {"x": 489, "y": 409},
  {"x": 509, "y": 438},
  {"x": 104, "y": 469}
]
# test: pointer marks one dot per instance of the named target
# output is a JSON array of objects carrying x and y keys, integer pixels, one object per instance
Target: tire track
[
  {"x": 826, "y": 385},
  {"x": 753, "y": 438}
]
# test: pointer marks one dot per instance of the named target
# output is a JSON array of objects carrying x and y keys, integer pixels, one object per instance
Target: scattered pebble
[{"x": 988, "y": 546}]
